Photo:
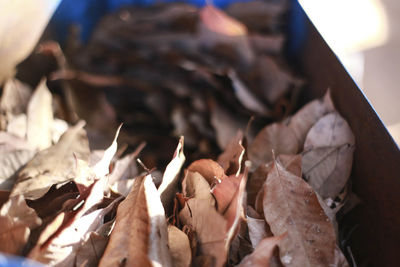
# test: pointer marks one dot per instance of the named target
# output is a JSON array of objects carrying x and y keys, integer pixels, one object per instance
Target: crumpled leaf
[
  {"x": 40, "y": 117},
  {"x": 211, "y": 234},
  {"x": 60, "y": 240},
  {"x": 277, "y": 137},
  {"x": 52, "y": 165},
  {"x": 263, "y": 253},
  {"x": 16, "y": 220},
  {"x": 139, "y": 237},
  {"x": 195, "y": 186},
  {"x": 209, "y": 169},
  {"x": 308, "y": 115},
  {"x": 231, "y": 159},
  {"x": 170, "y": 179},
  {"x": 328, "y": 155},
  {"x": 291, "y": 206},
  {"x": 178, "y": 243}
]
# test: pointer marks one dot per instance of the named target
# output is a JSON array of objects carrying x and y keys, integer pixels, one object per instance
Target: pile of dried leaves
[{"x": 269, "y": 198}]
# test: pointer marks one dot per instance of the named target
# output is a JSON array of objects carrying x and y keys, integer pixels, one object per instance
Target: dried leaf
[
  {"x": 209, "y": 169},
  {"x": 225, "y": 124},
  {"x": 211, "y": 234},
  {"x": 16, "y": 220},
  {"x": 139, "y": 237},
  {"x": 275, "y": 137},
  {"x": 225, "y": 191},
  {"x": 257, "y": 230},
  {"x": 170, "y": 180},
  {"x": 235, "y": 212},
  {"x": 123, "y": 187},
  {"x": 89, "y": 253},
  {"x": 231, "y": 159},
  {"x": 308, "y": 115},
  {"x": 10, "y": 163},
  {"x": 125, "y": 168},
  {"x": 40, "y": 117},
  {"x": 195, "y": 186},
  {"x": 102, "y": 167},
  {"x": 263, "y": 253},
  {"x": 52, "y": 165},
  {"x": 290, "y": 205},
  {"x": 327, "y": 169},
  {"x": 17, "y": 126},
  {"x": 328, "y": 155},
  {"x": 15, "y": 97},
  {"x": 292, "y": 163},
  {"x": 330, "y": 130},
  {"x": 59, "y": 242},
  {"x": 178, "y": 243},
  {"x": 246, "y": 98}
]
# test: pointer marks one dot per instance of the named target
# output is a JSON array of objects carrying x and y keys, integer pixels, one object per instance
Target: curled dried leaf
[{"x": 291, "y": 206}]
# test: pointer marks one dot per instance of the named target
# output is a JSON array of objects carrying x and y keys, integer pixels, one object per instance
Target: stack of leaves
[
  {"x": 271, "y": 197},
  {"x": 268, "y": 202},
  {"x": 172, "y": 69}
]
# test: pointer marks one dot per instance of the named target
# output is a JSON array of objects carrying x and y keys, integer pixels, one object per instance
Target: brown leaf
[
  {"x": 328, "y": 156},
  {"x": 257, "y": 230},
  {"x": 209, "y": 169},
  {"x": 40, "y": 117},
  {"x": 292, "y": 163},
  {"x": 235, "y": 212},
  {"x": 92, "y": 249},
  {"x": 330, "y": 130},
  {"x": 89, "y": 254},
  {"x": 263, "y": 253},
  {"x": 277, "y": 137},
  {"x": 231, "y": 159},
  {"x": 327, "y": 169},
  {"x": 52, "y": 165},
  {"x": 139, "y": 237},
  {"x": 290, "y": 205},
  {"x": 308, "y": 115},
  {"x": 195, "y": 186},
  {"x": 16, "y": 220},
  {"x": 256, "y": 180},
  {"x": 225, "y": 191},
  {"x": 169, "y": 184},
  {"x": 178, "y": 243},
  {"x": 211, "y": 234}
]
